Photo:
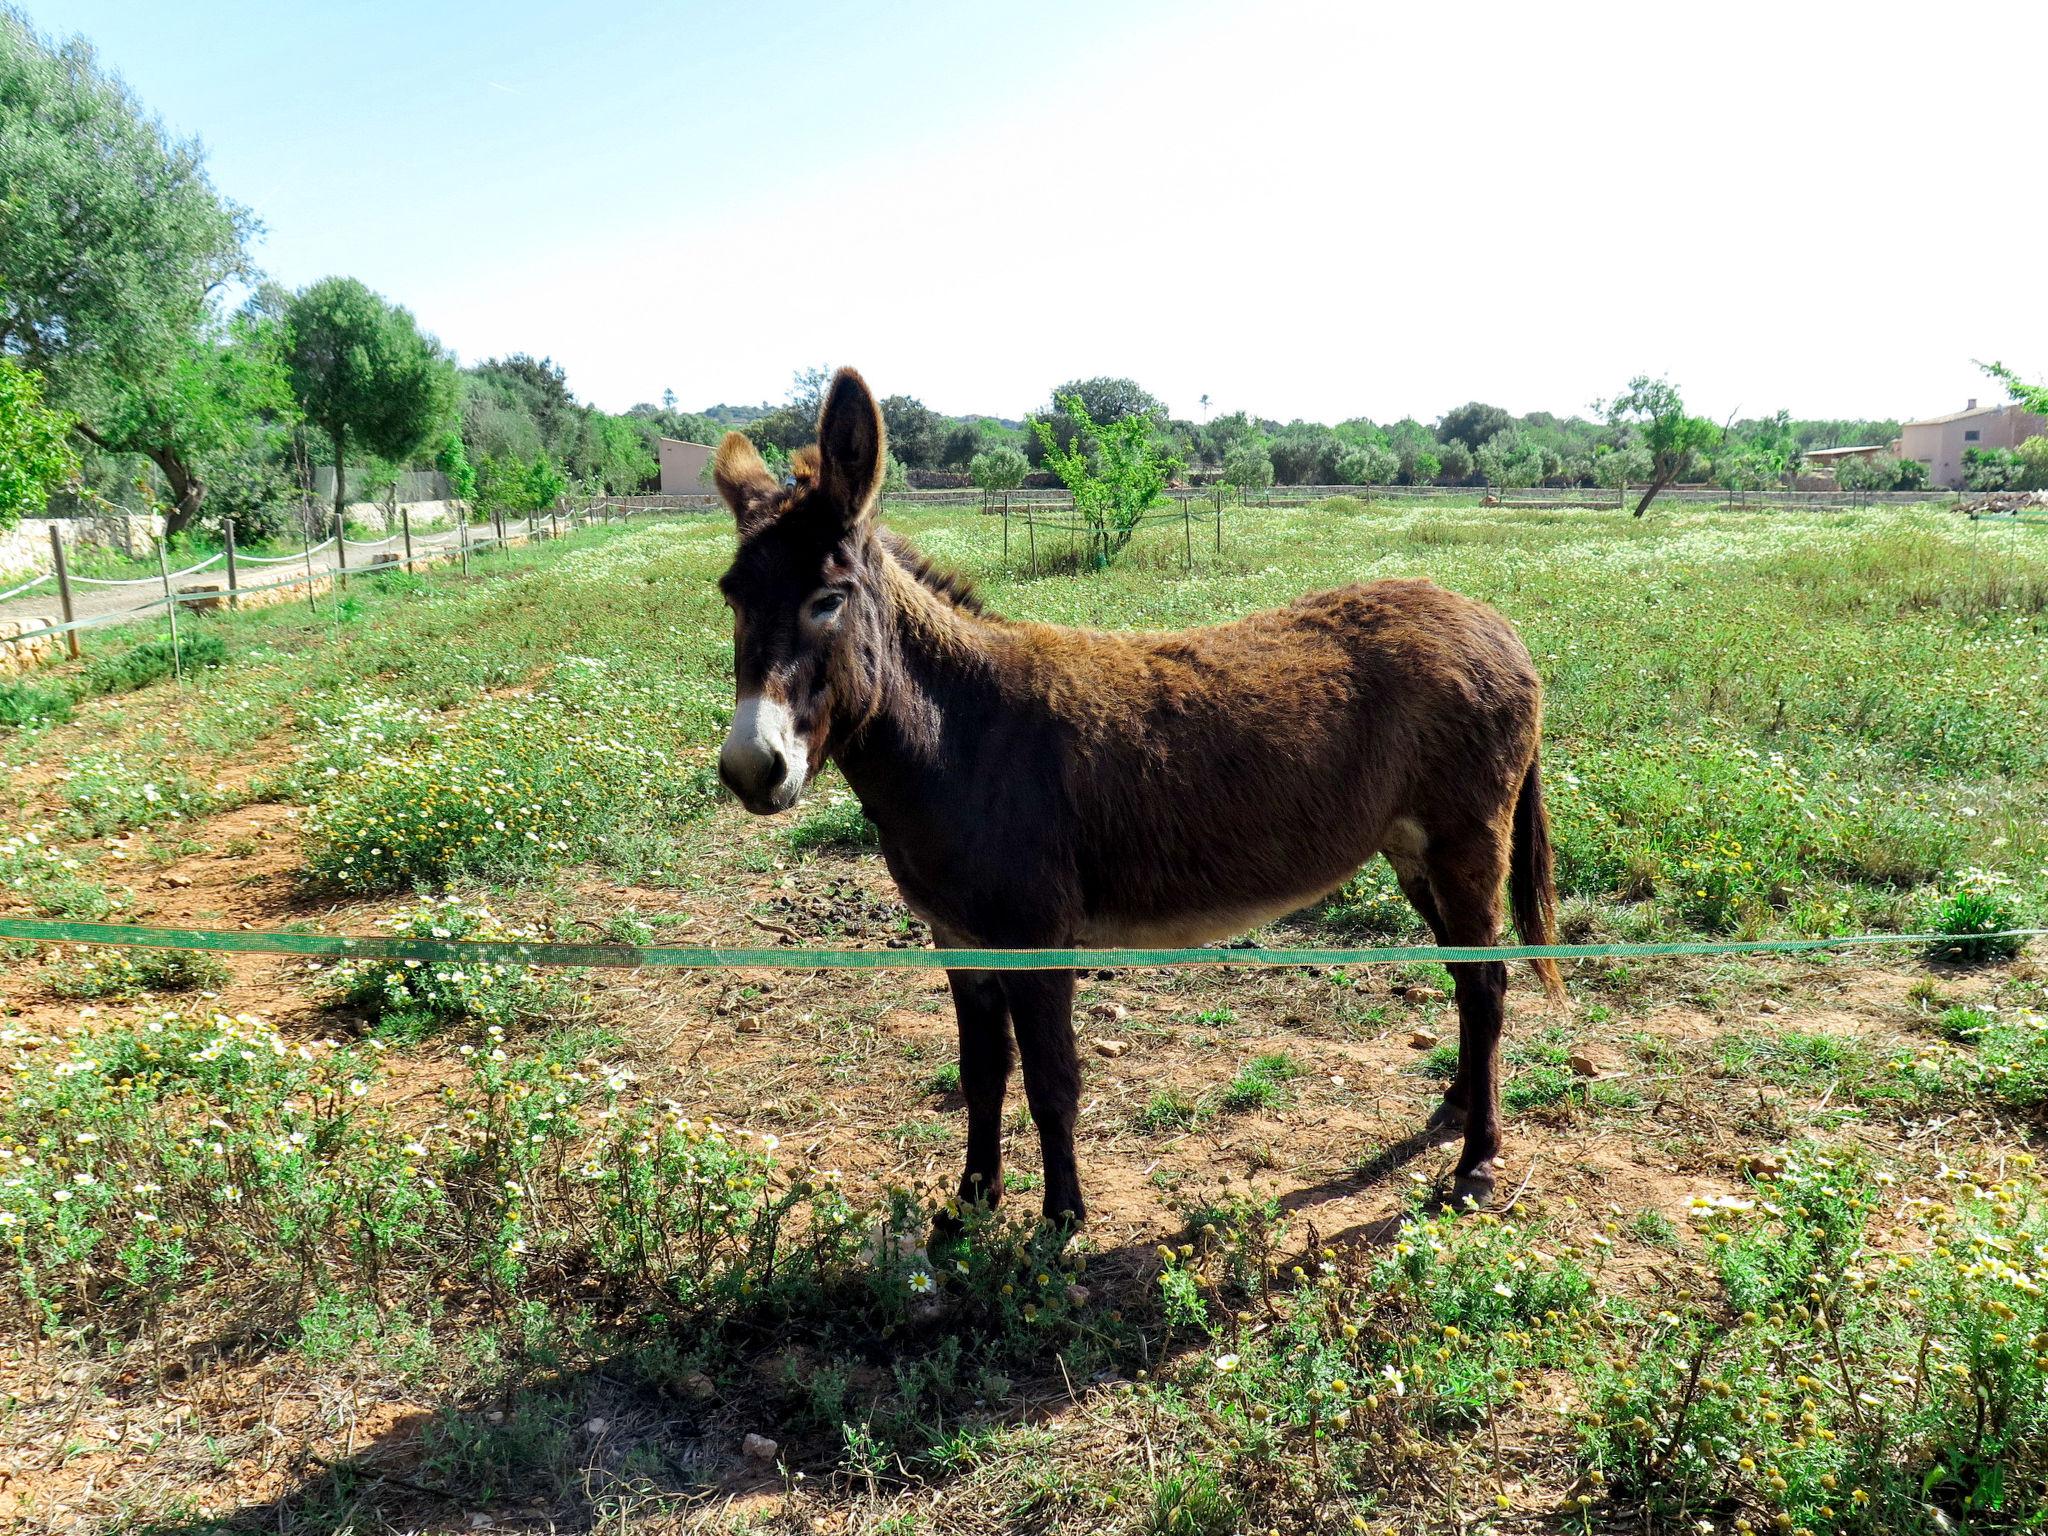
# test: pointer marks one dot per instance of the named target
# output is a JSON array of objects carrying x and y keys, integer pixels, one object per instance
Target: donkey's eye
[{"x": 826, "y": 605}]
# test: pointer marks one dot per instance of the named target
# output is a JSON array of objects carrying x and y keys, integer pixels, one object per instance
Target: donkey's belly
[
  {"x": 1215, "y": 912},
  {"x": 1185, "y": 930}
]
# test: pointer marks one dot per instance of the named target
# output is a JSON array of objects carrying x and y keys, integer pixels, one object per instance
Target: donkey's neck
[{"x": 933, "y": 665}]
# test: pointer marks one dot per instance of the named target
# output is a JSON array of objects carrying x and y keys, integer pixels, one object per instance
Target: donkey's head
[{"x": 806, "y": 597}]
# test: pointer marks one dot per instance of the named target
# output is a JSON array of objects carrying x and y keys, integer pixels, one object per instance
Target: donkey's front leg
[
  {"x": 984, "y": 1016},
  {"x": 1042, "y": 1009}
]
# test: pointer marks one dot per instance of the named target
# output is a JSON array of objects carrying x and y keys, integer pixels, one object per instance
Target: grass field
[{"x": 364, "y": 1247}]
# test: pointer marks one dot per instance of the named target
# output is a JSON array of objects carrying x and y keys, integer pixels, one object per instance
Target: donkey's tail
[{"x": 1532, "y": 890}]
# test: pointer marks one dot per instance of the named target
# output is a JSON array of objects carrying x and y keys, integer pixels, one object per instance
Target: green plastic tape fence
[{"x": 339, "y": 946}]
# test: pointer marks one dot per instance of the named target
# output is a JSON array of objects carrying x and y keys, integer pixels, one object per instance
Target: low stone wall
[
  {"x": 25, "y": 548},
  {"x": 17, "y": 656}
]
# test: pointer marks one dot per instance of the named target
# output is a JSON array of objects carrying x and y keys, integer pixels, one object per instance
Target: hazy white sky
[{"x": 1323, "y": 210}]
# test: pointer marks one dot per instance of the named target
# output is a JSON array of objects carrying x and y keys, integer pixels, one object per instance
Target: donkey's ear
[
  {"x": 743, "y": 479},
  {"x": 851, "y": 446}
]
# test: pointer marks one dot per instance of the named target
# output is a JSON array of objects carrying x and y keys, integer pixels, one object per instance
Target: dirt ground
[{"x": 852, "y": 1064}]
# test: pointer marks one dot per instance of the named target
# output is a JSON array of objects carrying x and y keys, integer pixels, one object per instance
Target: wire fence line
[{"x": 327, "y": 564}]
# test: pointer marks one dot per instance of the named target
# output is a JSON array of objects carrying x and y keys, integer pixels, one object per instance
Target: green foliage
[
  {"x": 2032, "y": 397},
  {"x": 1992, "y": 469},
  {"x": 364, "y": 374},
  {"x": 36, "y": 455},
  {"x": 999, "y": 468},
  {"x": 1834, "y": 1384},
  {"x": 152, "y": 661},
  {"x": 1653, "y": 414},
  {"x": 126, "y": 974},
  {"x": 2033, "y": 463},
  {"x": 1118, "y": 485},
  {"x": 1977, "y": 904},
  {"x": 28, "y": 703},
  {"x": 1102, "y": 400},
  {"x": 417, "y": 997},
  {"x": 521, "y": 783},
  {"x": 1263, "y": 1083},
  {"x": 451, "y": 458},
  {"x": 116, "y": 243},
  {"x": 1248, "y": 468},
  {"x": 837, "y": 822}
]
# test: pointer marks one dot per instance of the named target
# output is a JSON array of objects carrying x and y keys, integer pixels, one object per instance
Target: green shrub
[
  {"x": 152, "y": 661},
  {"x": 129, "y": 973},
  {"x": 1836, "y": 1385},
  {"x": 416, "y": 997},
  {"x": 1975, "y": 907},
  {"x": 1262, "y": 1084},
  {"x": 26, "y": 703}
]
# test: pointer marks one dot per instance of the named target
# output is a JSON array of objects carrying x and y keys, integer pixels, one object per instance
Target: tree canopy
[
  {"x": 364, "y": 374},
  {"x": 36, "y": 455},
  {"x": 1652, "y": 413},
  {"x": 116, "y": 247}
]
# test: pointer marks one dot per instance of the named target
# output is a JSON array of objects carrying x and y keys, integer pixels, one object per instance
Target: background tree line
[
  {"x": 125, "y": 378},
  {"x": 116, "y": 251}
]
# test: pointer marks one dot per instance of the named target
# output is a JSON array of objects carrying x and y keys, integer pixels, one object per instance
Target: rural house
[
  {"x": 682, "y": 467},
  {"x": 1940, "y": 441}
]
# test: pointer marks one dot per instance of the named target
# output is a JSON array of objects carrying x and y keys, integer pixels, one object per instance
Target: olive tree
[{"x": 116, "y": 246}]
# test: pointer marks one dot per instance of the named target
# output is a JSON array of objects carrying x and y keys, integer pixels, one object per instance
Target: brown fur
[{"x": 1036, "y": 786}]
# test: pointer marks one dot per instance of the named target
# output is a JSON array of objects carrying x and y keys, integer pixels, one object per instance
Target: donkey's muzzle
[{"x": 763, "y": 761}]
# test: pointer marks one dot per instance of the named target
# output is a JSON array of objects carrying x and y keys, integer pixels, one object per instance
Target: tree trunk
[
  {"x": 188, "y": 491},
  {"x": 340, "y": 479},
  {"x": 1650, "y": 495}
]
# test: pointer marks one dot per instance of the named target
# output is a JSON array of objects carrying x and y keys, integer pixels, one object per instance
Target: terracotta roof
[{"x": 1834, "y": 453}]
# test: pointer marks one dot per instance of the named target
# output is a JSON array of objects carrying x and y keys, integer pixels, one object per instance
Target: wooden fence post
[
  {"x": 163, "y": 571},
  {"x": 64, "y": 589},
  {"x": 340, "y": 553},
  {"x": 227, "y": 528},
  {"x": 405, "y": 522}
]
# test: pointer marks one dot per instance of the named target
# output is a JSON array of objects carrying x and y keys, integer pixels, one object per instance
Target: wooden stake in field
[
  {"x": 227, "y": 530},
  {"x": 163, "y": 570},
  {"x": 340, "y": 555},
  {"x": 405, "y": 523},
  {"x": 64, "y": 589}
]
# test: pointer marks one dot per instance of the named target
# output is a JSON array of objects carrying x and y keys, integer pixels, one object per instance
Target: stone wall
[{"x": 25, "y": 548}]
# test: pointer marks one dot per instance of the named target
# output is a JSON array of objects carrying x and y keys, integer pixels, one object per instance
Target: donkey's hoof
[{"x": 1473, "y": 1189}]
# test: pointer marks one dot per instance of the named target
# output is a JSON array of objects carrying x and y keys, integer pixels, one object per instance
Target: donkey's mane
[{"x": 951, "y": 585}]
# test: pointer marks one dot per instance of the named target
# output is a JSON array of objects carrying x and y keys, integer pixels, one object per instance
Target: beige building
[
  {"x": 682, "y": 467},
  {"x": 1940, "y": 442}
]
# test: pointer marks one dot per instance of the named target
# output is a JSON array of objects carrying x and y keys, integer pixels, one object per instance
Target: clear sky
[{"x": 1313, "y": 209}]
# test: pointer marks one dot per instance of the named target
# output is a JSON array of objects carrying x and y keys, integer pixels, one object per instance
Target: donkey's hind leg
[
  {"x": 1465, "y": 876},
  {"x": 1409, "y": 870}
]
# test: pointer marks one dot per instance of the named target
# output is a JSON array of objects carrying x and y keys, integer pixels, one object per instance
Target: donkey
[{"x": 1042, "y": 787}]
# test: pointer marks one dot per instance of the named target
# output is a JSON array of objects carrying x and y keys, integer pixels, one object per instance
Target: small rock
[
  {"x": 1763, "y": 1165},
  {"x": 1770, "y": 1005},
  {"x": 596, "y": 1427},
  {"x": 178, "y": 882},
  {"x": 1420, "y": 995},
  {"x": 1111, "y": 1048},
  {"x": 1077, "y": 1295},
  {"x": 759, "y": 1448},
  {"x": 698, "y": 1387},
  {"x": 1586, "y": 1062},
  {"x": 479, "y": 1521},
  {"x": 1115, "y": 1013},
  {"x": 1425, "y": 1039},
  {"x": 749, "y": 1025}
]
